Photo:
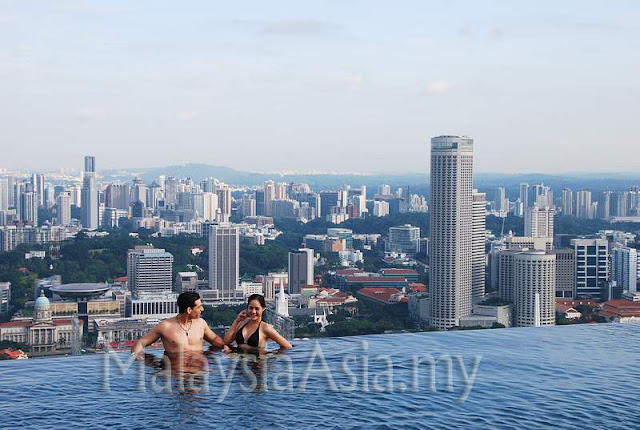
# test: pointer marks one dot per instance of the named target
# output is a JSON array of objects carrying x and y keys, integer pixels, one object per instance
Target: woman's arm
[
  {"x": 273, "y": 334},
  {"x": 231, "y": 333}
]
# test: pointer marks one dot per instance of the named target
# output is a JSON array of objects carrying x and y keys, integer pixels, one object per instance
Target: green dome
[{"x": 42, "y": 301}]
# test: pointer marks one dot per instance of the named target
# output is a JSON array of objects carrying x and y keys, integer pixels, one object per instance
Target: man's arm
[
  {"x": 212, "y": 338},
  {"x": 147, "y": 339}
]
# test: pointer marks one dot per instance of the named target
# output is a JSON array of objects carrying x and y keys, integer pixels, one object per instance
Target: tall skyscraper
[
  {"x": 149, "y": 270},
  {"x": 269, "y": 196},
  {"x": 4, "y": 193},
  {"x": 583, "y": 204},
  {"x": 89, "y": 199},
  {"x": 117, "y": 196},
  {"x": 501, "y": 203},
  {"x": 224, "y": 259},
  {"x": 478, "y": 239},
  {"x": 534, "y": 288},
  {"x": 624, "y": 268},
  {"x": 300, "y": 271},
  {"x": 224, "y": 201},
  {"x": 604, "y": 205},
  {"x": 538, "y": 222},
  {"x": 89, "y": 164},
  {"x": 524, "y": 195},
  {"x": 29, "y": 207},
  {"x": 37, "y": 180},
  {"x": 63, "y": 208},
  {"x": 451, "y": 219},
  {"x": 567, "y": 202}
]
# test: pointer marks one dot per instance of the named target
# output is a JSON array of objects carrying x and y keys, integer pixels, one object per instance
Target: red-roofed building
[
  {"x": 410, "y": 274},
  {"x": 623, "y": 311},
  {"x": 568, "y": 310},
  {"x": 417, "y": 287},
  {"x": 386, "y": 296},
  {"x": 578, "y": 302},
  {"x": 346, "y": 272}
]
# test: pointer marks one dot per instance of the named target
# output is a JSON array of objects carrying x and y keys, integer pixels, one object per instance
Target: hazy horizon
[{"x": 349, "y": 86}]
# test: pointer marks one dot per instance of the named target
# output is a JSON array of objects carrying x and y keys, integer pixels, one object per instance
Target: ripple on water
[{"x": 534, "y": 378}]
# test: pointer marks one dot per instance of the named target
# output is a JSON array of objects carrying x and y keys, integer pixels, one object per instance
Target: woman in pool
[{"x": 248, "y": 330}]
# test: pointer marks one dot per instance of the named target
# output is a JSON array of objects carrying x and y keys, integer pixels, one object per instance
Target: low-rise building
[
  {"x": 622, "y": 311},
  {"x": 385, "y": 296},
  {"x": 43, "y": 333}
]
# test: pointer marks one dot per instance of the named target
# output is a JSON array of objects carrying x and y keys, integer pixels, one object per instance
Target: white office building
[
  {"x": 451, "y": 220},
  {"x": 534, "y": 288},
  {"x": 624, "y": 268},
  {"x": 224, "y": 259}
]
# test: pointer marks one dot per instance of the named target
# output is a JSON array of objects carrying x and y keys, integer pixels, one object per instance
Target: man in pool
[{"x": 182, "y": 334}]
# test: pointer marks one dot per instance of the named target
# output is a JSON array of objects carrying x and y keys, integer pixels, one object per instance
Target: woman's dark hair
[
  {"x": 259, "y": 298},
  {"x": 187, "y": 300}
]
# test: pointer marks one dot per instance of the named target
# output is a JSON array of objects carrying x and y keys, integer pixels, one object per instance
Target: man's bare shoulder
[{"x": 168, "y": 323}]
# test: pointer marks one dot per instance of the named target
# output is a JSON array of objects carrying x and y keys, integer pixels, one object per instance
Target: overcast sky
[{"x": 544, "y": 86}]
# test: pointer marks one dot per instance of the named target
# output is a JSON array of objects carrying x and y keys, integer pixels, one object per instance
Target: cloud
[
  {"x": 437, "y": 87},
  {"x": 296, "y": 27},
  {"x": 186, "y": 115}
]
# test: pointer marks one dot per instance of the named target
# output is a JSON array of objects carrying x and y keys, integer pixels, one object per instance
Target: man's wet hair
[{"x": 187, "y": 300}]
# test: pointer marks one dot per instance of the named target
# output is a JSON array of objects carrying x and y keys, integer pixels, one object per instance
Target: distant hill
[{"x": 418, "y": 182}]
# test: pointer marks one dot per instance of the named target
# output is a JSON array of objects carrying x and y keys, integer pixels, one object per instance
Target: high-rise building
[
  {"x": 149, "y": 270},
  {"x": 224, "y": 201},
  {"x": 4, "y": 193},
  {"x": 592, "y": 264},
  {"x": 404, "y": 238},
  {"x": 534, "y": 288},
  {"x": 89, "y": 198},
  {"x": 604, "y": 205},
  {"x": 567, "y": 202},
  {"x": 479, "y": 235},
  {"x": 29, "y": 207},
  {"x": 89, "y": 164},
  {"x": 260, "y": 208},
  {"x": 583, "y": 204},
  {"x": 224, "y": 259},
  {"x": 524, "y": 195},
  {"x": 37, "y": 183},
  {"x": 269, "y": 196},
  {"x": 117, "y": 196},
  {"x": 248, "y": 205},
  {"x": 384, "y": 190},
  {"x": 538, "y": 221},
  {"x": 5, "y": 297},
  {"x": 380, "y": 208},
  {"x": 501, "y": 203},
  {"x": 624, "y": 267},
  {"x": 565, "y": 272},
  {"x": 451, "y": 220},
  {"x": 63, "y": 208},
  {"x": 300, "y": 271}
]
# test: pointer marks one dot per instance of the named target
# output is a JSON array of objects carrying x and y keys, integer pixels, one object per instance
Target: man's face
[{"x": 196, "y": 310}]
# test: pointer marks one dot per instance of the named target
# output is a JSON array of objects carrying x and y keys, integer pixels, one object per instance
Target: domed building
[{"x": 43, "y": 333}]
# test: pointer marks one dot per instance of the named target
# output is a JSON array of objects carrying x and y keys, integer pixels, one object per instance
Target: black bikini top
[{"x": 253, "y": 340}]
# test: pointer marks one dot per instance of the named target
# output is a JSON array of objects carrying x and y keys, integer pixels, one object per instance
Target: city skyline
[{"x": 280, "y": 88}]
